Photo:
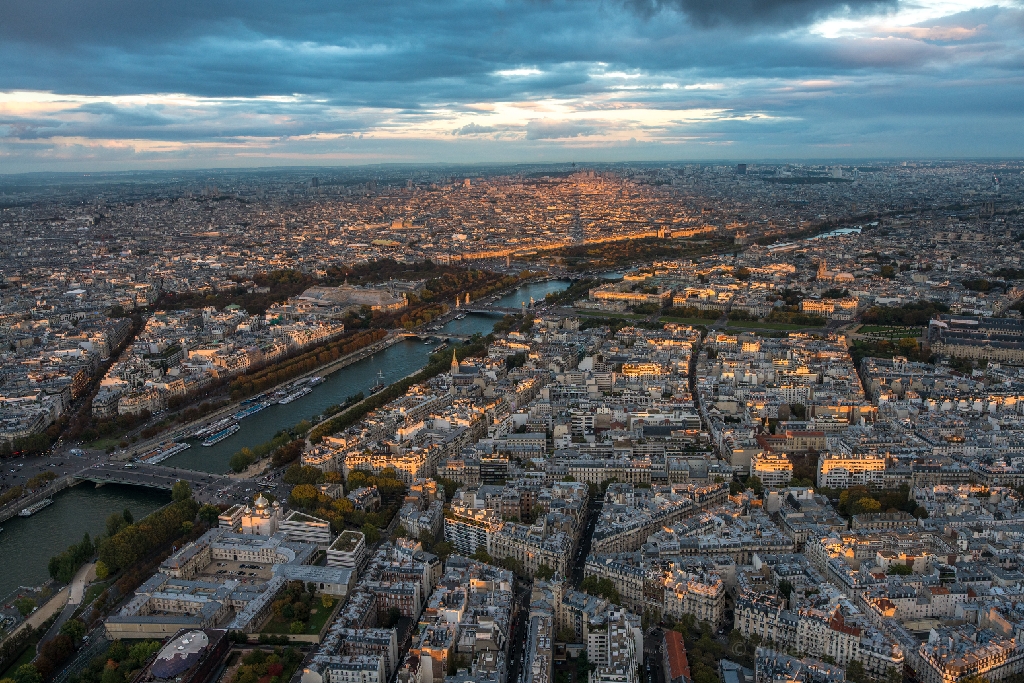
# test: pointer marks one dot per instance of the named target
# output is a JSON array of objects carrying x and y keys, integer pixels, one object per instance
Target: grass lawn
[
  {"x": 318, "y": 616},
  {"x": 685, "y": 321},
  {"x": 104, "y": 443},
  {"x": 26, "y": 656},
  {"x": 891, "y": 332},
  {"x": 93, "y": 591},
  {"x": 758, "y": 325}
]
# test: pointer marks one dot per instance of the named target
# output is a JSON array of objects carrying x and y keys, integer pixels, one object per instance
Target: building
[
  {"x": 771, "y": 666},
  {"x": 348, "y": 550},
  {"x": 773, "y": 469},
  {"x": 366, "y": 498},
  {"x": 198, "y": 587},
  {"x": 616, "y": 649},
  {"x": 840, "y": 470},
  {"x": 298, "y": 526},
  {"x": 190, "y": 656},
  {"x": 994, "y": 339},
  {"x": 674, "y": 665}
]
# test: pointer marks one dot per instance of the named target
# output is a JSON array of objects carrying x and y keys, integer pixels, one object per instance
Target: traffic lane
[
  {"x": 16, "y": 471},
  {"x": 654, "y": 642}
]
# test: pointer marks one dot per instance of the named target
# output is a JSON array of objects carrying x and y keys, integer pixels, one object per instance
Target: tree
[
  {"x": 864, "y": 505},
  {"x": 127, "y": 515},
  {"x": 327, "y": 601},
  {"x": 296, "y": 627},
  {"x": 371, "y": 532},
  {"x": 26, "y": 673},
  {"x": 115, "y": 523},
  {"x": 73, "y": 628},
  {"x": 686, "y": 624},
  {"x": 102, "y": 571},
  {"x": 900, "y": 570},
  {"x": 392, "y": 617},
  {"x": 566, "y": 635},
  {"x": 209, "y": 514},
  {"x": 181, "y": 491},
  {"x": 54, "y": 653},
  {"x": 25, "y": 606},
  {"x": 855, "y": 672},
  {"x": 754, "y": 482},
  {"x": 112, "y": 673},
  {"x": 443, "y": 549},
  {"x": 536, "y": 512},
  {"x": 304, "y": 496},
  {"x": 785, "y": 588},
  {"x": 544, "y": 572},
  {"x": 297, "y": 474}
]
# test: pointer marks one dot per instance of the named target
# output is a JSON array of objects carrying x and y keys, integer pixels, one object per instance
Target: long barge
[
  {"x": 212, "y": 428},
  {"x": 251, "y": 410},
  {"x": 296, "y": 395},
  {"x": 221, "y": 435},
  {"x": 35, "y": 507},
  {"x": 163, "y": 451}
]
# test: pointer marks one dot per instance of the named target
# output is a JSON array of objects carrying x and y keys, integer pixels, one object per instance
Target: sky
[{"x": 138, "y": 84}]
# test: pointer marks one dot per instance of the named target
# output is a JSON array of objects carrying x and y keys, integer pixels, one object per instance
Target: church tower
[{"x": 455, "y": 363}]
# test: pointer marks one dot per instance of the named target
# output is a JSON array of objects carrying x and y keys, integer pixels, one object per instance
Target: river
[
  {"x": 394, "y": 363},
  {"x": 28, "y": 543}
]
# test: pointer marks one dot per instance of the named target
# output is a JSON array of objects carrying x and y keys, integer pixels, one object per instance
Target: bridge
[
  {"x": 435, "y": 335},
  {"x": 204, "y": 484},
  {"x": 495, "y": 310}
]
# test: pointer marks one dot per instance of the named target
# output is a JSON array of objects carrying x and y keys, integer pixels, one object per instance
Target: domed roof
[
  {"x": 180, "y": 654},
  {"x": 261, "y": 502}
]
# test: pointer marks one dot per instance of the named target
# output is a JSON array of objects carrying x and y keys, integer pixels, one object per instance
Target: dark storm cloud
[
  {"x": 293, "y": 74},
  {"x": 709, "y": 13}
]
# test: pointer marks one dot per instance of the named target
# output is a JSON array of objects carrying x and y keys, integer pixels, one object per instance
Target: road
[
  {"x": 692, "y": 370},
  {"x": 580, "y": 559},
  {"x": 17, "y": 471},
  {"x": 206, "y": 487},
  {"x": 520, "y": 619},
  {"x": 654, "y": 642}
]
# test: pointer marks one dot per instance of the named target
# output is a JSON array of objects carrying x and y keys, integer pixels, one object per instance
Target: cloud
[
  {"x": 559, "y": 130},
  {"x": 474, "y": 129},
  {"x": 712, "y": 13},
  {"x": 230, "y": 82}
]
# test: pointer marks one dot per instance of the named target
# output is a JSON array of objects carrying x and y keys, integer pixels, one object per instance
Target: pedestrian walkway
[{"x": 86, "y": 574}]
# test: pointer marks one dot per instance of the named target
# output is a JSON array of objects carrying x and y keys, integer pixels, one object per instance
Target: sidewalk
[{"x": 85, "y": 575}]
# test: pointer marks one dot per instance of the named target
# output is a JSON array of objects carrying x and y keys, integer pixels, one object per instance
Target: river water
[
  {"x": 394, "y": 363},
  {"x": 26, "y": 544}
]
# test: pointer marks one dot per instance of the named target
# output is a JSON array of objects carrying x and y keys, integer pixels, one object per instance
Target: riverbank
[
  {"x": 28, "y": 543},
  {"x": 32, "y": 497},
  {"x": 183, "y": 431},
  {"x": 532, "y": 288}
]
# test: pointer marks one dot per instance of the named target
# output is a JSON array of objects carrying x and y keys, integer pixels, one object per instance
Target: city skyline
[{"x": 121, "y": 88}]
